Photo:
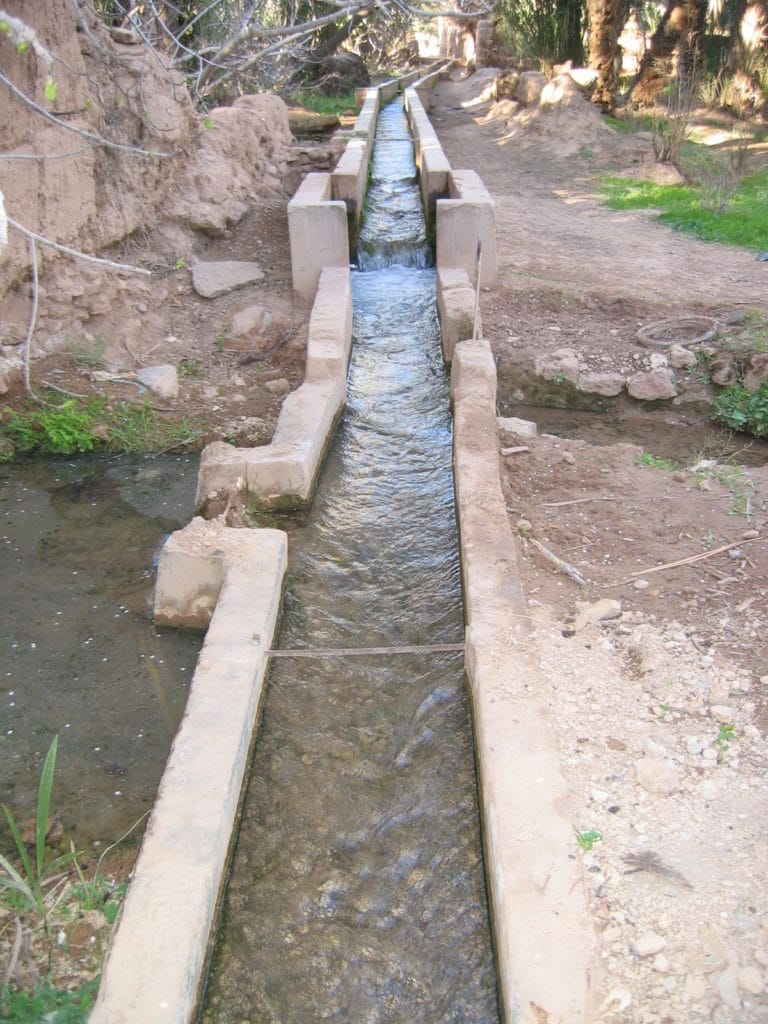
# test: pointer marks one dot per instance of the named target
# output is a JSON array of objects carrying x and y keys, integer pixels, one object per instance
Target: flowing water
[
  {"x": 79, "y": 654},
  {"x": 357, "y": 890}
]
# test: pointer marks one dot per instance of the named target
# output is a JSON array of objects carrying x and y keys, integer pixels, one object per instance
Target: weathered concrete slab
[
  {"x": 213, "y": 279},
  {"x": 539, "y": 912},
  {"x": 317, "y": 226},
  {"x": 284, "y": 473},
  {"x": 456, "y": 301},
  {"x": 157, "y": 957},
  {"x": 463, "y": 220}
]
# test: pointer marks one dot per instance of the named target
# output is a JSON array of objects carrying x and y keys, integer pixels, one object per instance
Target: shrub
[{"x": 743, "y": 410}]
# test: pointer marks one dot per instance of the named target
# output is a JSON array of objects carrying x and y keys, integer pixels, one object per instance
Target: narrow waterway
[{"x": 357, "y": 892}]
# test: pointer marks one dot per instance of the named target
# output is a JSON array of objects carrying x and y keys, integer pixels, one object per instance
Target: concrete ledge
[
  {"x": 348, "y": 183},
  {"x": 538, "y": 902},
  {"x": 456, "y": 310},
  {"x": 463, "y": 220},
  {"x": 157, "y": 957},
  {"x": 317, "y": 226},
  {"x": 283, "y": 474}
]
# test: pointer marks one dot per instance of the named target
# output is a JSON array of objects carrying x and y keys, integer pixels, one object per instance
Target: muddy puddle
[{"x": 79, "y": 654}]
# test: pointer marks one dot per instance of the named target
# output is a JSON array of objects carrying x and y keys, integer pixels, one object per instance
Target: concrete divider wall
[
  {"x": 283, "y": 473},
  {"x": 156, "y": 961},
  {"x": 538, "y": 901},
  {"x": 465, "y": 218},
  {"x": 317, "y": 226},
  {"x": 461, "y": 210}
]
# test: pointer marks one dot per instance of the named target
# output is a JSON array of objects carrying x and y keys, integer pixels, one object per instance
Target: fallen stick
[
  {"x": 515, "y": 451},
  {"x": 558, "y": 563},
  {"x": 693, "y": 558},
  {"x": 576, "y": 501}
]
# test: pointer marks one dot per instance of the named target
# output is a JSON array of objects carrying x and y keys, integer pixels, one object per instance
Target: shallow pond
[{"x": 79, "y": 654}]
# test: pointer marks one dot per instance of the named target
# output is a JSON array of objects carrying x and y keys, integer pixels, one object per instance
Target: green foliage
[
  {"x": 50, "y": 89},
  {"x": 49, "y": 1004},
  {"x": 549, "y": 30},
  {"x": 29, "y": 884},
  {"x": 725, "y": 734},
  {"x": 319, "y": 104},
  {"x": 88, "y": 354},
  {"x": 748, "y": 338},
  {"x": 655, "y": 461},
  {"x": 135, "y": 428},
  {"x": 588, "y": 838},
  {"x": 54, "y": 430},
  {"x": 189, "y": 367},
  {"x": 81, "y": 426},
  {"x": 99, "y": 894},
  {"x": 742, "y": 220},
  {"x": 743, "y": 410}
]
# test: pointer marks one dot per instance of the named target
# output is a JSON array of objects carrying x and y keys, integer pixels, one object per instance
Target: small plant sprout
[
  {"x": 725, "y": 734},
  {"x": 587, "y": 838},
  {"x": 31, "y": 883},
  {"x": 655, "y": 461},
  {"x": 181, "y": 263},
  {"x": 220, "y": 342}
]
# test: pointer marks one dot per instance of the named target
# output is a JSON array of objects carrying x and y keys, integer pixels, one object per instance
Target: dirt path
[{"x": 659, "y": 708}]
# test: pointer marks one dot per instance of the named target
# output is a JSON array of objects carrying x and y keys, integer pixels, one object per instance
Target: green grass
[
  {"x": 742, "y": 220},
  {"x": 48, "y": 1003},
  {"x": 325, "y": 104},
  {"x": 77, "y": 425},
  {"x": 655, "y": 461}
]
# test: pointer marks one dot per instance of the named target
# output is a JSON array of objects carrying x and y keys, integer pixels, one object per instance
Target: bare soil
[{"x": 661, "y": 711}]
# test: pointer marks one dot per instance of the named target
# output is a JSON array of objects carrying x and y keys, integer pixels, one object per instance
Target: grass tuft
[{"x": 742, "y": 220}]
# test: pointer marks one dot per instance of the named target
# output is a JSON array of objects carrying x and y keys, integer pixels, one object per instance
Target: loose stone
[
  {"x": 657, "y": 775},
  {"x": 649, "y": 944},
  {"x": 728, "y": 987},
  {"x": 750, "y": 980}
]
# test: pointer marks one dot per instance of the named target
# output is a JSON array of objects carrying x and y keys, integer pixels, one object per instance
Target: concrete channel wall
[
  {"x": 158, "y": 954},
  {"x": 231, "y": 580},
  {"x": 538, "y": 904}
]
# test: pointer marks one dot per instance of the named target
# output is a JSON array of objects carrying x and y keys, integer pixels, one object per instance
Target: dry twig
[
  {"x": 692, "y": 558},
  {"x": 558, "y": 563}
]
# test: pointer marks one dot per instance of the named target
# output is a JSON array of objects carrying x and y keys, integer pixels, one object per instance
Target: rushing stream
[{"x": 357, "y": 890}]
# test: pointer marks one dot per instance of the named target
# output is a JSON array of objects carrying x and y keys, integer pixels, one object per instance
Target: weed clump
[{"x": 744, "y": 410}]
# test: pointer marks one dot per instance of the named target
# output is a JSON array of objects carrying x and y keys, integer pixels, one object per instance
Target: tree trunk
[
  {"x": 606, "y": 18},
  {"x": 682, "y": 26}
]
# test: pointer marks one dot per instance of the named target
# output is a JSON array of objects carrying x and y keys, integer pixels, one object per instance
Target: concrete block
[
  {"x": 157, "y": 957},
  {"x": 514, "y": 425},
  {"x": 330, "y": 326},
  {"x": 317, "y": 226},
  {"x": 456, "y": 300},
  {"x": 350, "y": 177},
  {"x": 463, "y": 221}
]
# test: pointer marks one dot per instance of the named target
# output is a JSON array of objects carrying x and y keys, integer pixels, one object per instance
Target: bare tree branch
[
  {"x": 33, "y": 236},
  {"x": 98, "y": 140}
]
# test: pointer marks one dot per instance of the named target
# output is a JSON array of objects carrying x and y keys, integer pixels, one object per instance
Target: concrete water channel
[
  {"x": 357, "y": 891},
  {"x": 357, "y": 882}
]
